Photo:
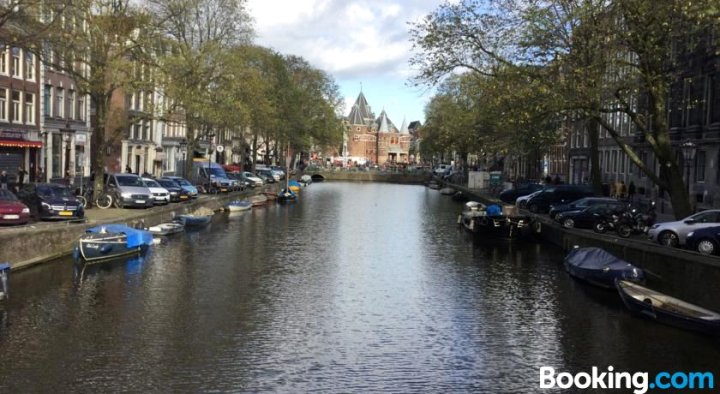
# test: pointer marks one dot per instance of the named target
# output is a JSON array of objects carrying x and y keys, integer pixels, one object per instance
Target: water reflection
[{"x": 357, "y": 288}]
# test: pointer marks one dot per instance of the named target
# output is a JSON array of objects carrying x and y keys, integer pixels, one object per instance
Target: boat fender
[
  {"x": 459, "y": 221},
  {"x": 76, "y": 253},
  {"x": 472, "y": 224},
  {"x": 537, "y": 226}
]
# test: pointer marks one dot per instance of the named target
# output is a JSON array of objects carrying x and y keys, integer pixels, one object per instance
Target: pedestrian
[
  {"x": 128, "y": 169},
  {"x": 21, "y": 177},
  {"x": 631, "y": 191},
  {"x": 3, "y": 180}
]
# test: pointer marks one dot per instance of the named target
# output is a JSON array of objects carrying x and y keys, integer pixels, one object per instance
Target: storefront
[{"x": 17, "y": 152}]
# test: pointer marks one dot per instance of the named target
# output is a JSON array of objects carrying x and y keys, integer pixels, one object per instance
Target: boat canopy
[{"x": 135, "y": 237}]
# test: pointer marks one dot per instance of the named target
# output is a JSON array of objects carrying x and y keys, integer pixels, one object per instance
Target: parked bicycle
[
  {"x": 85, "y": 196},
  {"x": 104, "y": 200}
]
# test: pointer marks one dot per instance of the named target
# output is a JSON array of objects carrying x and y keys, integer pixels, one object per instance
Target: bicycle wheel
[
  {"x": 104, "y": 201},
  {"x": 82, "y": 201}
]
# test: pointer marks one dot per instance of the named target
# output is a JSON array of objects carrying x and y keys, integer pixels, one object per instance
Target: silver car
[
  {"x": 674, "y": 233},
  {"x": 128, "y": 190}
]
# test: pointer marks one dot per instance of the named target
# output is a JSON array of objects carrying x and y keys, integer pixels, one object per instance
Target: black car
[
  {"x": 509, "y": 196},
  {"x": 51, "y": 201},
  {"x": 266, "y": 175},
  {"x": 704, "y": 240},
  {"x": 579, "y": 205},
  {"x": 586, "y": 217},
  {"x": 177, "y": 193},
  {"x": 560, "y": 194}
]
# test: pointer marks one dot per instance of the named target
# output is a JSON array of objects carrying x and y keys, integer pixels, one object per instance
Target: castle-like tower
[{"x": 375, "y": 140}]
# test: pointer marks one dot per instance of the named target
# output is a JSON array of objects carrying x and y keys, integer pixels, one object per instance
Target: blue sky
[{"x": 356, "y": 42}]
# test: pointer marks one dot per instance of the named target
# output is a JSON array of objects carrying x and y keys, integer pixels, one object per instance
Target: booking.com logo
[{"x": 640, "y": 382}]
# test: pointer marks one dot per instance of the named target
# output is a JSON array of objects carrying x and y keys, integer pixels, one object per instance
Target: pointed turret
[
  {"x": 360, "y": 114},
  {"x": 404, "y": 127},
  {"x": 384, "y": 124}
]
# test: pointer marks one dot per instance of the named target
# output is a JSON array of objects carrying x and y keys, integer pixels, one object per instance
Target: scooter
[{"x": 636, "y": 222}]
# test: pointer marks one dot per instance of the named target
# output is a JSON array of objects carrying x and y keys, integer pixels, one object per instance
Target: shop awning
[{"x": 13, "y": 143}]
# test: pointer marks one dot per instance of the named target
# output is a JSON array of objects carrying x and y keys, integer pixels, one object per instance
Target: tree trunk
[
  {"x": 678, "y": 191},
  {"x": 595, "y": 170},
  {"x": 99, "y": 145}
]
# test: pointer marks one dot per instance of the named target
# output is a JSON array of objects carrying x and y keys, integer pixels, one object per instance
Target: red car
[{"x": 12, "y": 211}]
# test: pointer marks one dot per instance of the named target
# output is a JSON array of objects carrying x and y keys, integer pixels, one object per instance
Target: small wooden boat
[
  {"x": 258, "y": 200},
  {"x": 434, "y": 185},
  {"x": 239, "y": 205},
  {"x": 460, "y": 197},
  {"x": 270, "y": 195},
  {"x": 4, "y": 273},
  {"x": 317, "y": 178},
  {"x": 191, "y": 220},
  {"x": 305, "y": 179},
  {"x": 286, "y": 196},
  {"x": 489, "y": 220},
  {"x": 110, "y": 241},
  {"x": 168, "y": 228},
  {"x": 666, "y": 309},
  {"x": 448, "y": 191},
  {"x": 600, "y": 268}
]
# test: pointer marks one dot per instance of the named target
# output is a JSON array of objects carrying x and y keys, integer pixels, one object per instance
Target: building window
[
  {"x": 16, "y": 106},
  {"x": 714, "y": 106},
  {"x": 700, "y": 166},
  {"x": 3, "y": 59},
  {"x": 146, "y": 132},
  {"x": 3, "y": 104},
  {"x": 29, "y": 108},
  {"x": 614, "y": 161},
  {"x": 622, "y": 161},
  {"x": 81, "y": 108},
  {"x": 15, "y": 65},
  {"x": 607, "y": 161},
  {"x": 47, "y": 101},
  {"x": 72, "y": 110},
  {"x": 60, "y": 103},
  {"x": 29, "y": 66}
]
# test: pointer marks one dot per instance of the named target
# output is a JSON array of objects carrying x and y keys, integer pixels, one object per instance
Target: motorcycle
[
  {"x": 607, "y": 222},
  {"x": 636, "y": 222}
]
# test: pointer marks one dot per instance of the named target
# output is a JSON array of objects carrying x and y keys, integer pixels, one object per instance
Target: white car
[
  {"x": 160, "y": 194},
  {"x": 674, "y": 233},
  {"x": 254, "y": 178},
  {"x": 441, "y": 169},
  {"x": 521, "y": 202}
]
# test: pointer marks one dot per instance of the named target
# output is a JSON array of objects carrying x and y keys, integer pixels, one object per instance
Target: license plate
[
  {"x": 183, "y": 197},
  {"x": 139, "y": 201},
  {"x": 65, "y": 213},
  {"x": 223, "y": 190},
  {"x": 11, "y": 217}
]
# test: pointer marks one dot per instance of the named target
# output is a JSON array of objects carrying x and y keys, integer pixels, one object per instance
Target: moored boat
[
  {"x": 194, "y": 220},
  {"x": 239, "y": 205},
  {"x": 600, "y": 268},
  {"x": 293, "y": 185},
  {"x": 286, "y": 196},
  {"x": 271, "y": 195},
  {"x": 168, "y": 228},
  {"x": 110, "y": 241},
  {"x": 448, "y": 191},
  {"x": 258, "y": 200},
  {"x": 490, "y": 221},
  {"x": 433, "y": 185},
  {"x": 666, "y": 309},
  {"x": 305, "y": 179}
]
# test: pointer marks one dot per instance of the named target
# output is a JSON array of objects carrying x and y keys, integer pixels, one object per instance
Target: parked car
[
  {"x": 184, "y": 184},
  {"x": 705, "y": 240},
  {"x": 279, "y": 171},
  {"x": 674, "y": 233},
  {"x": 588, "y": 216},
  {"x": 511, "y": 195},
  {"x": 268, "y": 174},
  {"x": 12, "y": 211},
  {"x": 441, "y": 169},
  {"x": 558, "y": 194},
  {"x": 161, "y": 195},
  {"x": 257, "y": 181},
  {"x": 51, "y": 201},
  {"x": 128, "y": 190},
  {"x": 177, "y": 193},
  {"x": 238, "y": 177},
  {"x": 521, "y": 201},
  {"x": 579, "y": 205}
]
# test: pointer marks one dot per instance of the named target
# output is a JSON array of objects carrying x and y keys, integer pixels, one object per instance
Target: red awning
[{"x": 20, "y": 143}]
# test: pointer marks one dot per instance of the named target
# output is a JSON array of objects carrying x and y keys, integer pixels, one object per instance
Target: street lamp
[
  {"x": 210, "y": 148},
  {"x": 688, "y": 150},
  {"x": 67, "y": 137},
  {"x": 43, "y": 162},
  {"x": 183, "y": 148}
]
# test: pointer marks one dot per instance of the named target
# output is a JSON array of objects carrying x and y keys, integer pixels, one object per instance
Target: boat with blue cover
[
  {"x": 600, "y": 268},
  {"x": 4, "y": 272},
  {"x": 110, "y": 241}
]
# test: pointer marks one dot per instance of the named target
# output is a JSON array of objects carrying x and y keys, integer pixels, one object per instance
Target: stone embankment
[
  {"x": 32, "y": 244},
  {"x": 678, "y": 272}
]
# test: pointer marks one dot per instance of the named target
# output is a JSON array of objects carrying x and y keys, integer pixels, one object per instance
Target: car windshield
[
  {"x": 167, "y": 183},
  {"x": 126, "y": 180},
  {"x": 53, "y": 191},
  {"x": 182, "y": 182},
  {"x": 583, "y": 202},
  {"x": 151, "y": 183},
  {"x": 217, "y": 172},
  {"x": 249, "y": 174},
  {"x": 6, "y": 195}
]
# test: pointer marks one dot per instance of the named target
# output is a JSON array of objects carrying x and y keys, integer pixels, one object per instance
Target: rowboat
[
  {"x": 168, "y": 228},
  {"x": 600, "y": 268},
  {"x": 666, "y": 309},
  {"x": 191, "y": 220},
  {"x": 239, "y": 205},
  {"x": 258, "y": 200},
  {"x": 110, "y": 241}
]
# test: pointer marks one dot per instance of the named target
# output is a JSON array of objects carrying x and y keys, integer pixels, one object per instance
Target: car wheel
[
  {"x": 534, "y": 208},
  {"x": 706, "y": 246},
  {"x": 600, "y": 227},
  {"x": 668, "y": 238},
  {"x": 568, "y": 223}
]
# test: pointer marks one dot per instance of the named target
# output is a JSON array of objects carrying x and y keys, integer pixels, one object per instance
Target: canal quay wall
[
  {"x": 681, "y": 273},
  {"x": 26, "y": 246},
  {"x": 374, "y": 176}
]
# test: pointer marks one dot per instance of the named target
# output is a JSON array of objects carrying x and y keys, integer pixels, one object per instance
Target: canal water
[{"x": 359, "y": 287}]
